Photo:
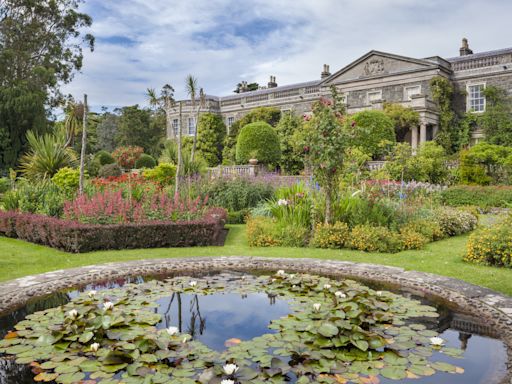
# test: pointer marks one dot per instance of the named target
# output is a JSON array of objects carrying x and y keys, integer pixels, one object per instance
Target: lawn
[{"x": 19, "y": 258}]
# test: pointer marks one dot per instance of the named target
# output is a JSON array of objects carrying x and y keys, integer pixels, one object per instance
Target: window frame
[
  {"x": 175, "y": 125},
  {"x": 468, "y": 97},
  {"x": 406, "y": 94},
  {"x": 368, "y": 101},
  {"x": 191, "y": 126}
]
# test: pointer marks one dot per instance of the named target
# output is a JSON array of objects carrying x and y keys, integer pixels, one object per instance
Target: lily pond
[{"x": 234, "y": 328}]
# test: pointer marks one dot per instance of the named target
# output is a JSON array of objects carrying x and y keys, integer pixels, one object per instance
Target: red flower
[
  {"x": 306, "y": 149},
  {"x": 353, "y": 124}
]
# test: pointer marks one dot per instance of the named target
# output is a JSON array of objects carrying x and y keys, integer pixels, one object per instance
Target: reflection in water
[{"x": 214, "y": 319}]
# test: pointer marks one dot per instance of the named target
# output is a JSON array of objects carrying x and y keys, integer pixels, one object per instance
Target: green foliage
[
  {"x": 106, "y": 132},
  {"x": 491, "y": 246},
  {"x": 189, "y": 168},
  {"x": 41, "y": 197},
  {"x": 485, "y": 163},
  {"x": 110, "y": 170},
  {"x": 145, "y": 161},
  {"x": 265, "y": 232},
  {"x": 372, "y": 131},
  {"x": 67, "y": 179},
  {"x": 404, "y": 118},
  {"x": 371, "y": 238},
  {"x": 454, "y": 222},
  {"x": 46, "y": 155},
  {"x": 482, "y": 197},
  {"x": 5, "y": 184},
  {"x": 258, "y": 141},
  {"x": 104, "y": 157},
  {"x": 237, "y": 194},
  {"x": 496, "y": 121},
  {"x": 269, "y": 115},
  {"x": 163, "y": 174},
  {"x": 210, "y": 138},
  {"x": 334, "y": 236},
  {"x": 429, "y": 164},
  {"x": 292, "y": 160},
  {"x": 40, "y": 49},
  {"x": 292, "y": 206}
]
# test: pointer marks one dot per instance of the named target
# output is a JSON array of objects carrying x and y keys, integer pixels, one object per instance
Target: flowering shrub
[
  {"x": 412, "y": 239},
  {"x": 332, "y": 236},
  {"x": 374, "y": 239},
  {"x": 454, "y": 222},
  {"x": 131, "y": 185},
  {"x": 127, "y": 156},
  {"x": 428, "y": 228},
  {"x": 491, "y": 246},
  {"x": 110, "y": 170},
  {"x": 265, "y": 232},
  {"x": 110, "y": 207}
]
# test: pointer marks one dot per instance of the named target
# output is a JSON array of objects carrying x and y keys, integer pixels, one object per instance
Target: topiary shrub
[
  {"x": 110, "y": 170},
  {"x": 260, "y": 141},
  {"x": 163, "y": 174},
  {"x": 104, "y": 157},
  {"x": 145, "y": 161}
]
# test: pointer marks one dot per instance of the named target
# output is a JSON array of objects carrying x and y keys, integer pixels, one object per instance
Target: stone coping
[{"x": 492, "y": 308}]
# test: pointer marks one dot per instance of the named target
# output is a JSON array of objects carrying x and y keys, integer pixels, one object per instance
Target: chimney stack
[
  {"x": 464, "y": 50},
  {"x": 325, "y": 73},
  {"x": 272, "y": 83}
]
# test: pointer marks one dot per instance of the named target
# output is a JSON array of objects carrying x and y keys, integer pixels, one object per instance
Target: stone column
[
  {"x": 414, "y": 138},
  {"x": 423, "y": 132}
]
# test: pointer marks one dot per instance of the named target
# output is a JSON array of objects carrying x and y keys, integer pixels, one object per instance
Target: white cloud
[{"x": 222, "y": 42}]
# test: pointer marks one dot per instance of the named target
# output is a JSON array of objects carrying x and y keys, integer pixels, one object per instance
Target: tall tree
[
  {"x": 40, "y": 49},
  {"x": 107, "y": 131},
  {"x": 165, "y": 101},
  {"x": 136, "y": 128}
]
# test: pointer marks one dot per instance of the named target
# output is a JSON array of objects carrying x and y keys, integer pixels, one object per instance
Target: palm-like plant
[
  {"x": 73, "y": 122},
  {"x": 165, "y": 102},
  {"x": 47, "y": 154}
]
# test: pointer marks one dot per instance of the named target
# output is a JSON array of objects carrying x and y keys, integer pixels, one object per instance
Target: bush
[
  {"x": 67, "y": 179},
  {"x": 454, "y": 222},
  {"x": 5, "y": 184},
  {"x": 110, "y": 170},
  {"x": 42, "y": 197},
  {"x": 480, "y": 196},
  {"x": 75, "y": 237},
  {"x": 428, "y": 228},
  {"x": 163, "y": 174},
  {"x": 210, "y": 137},
  {"x": 127, "y": 156},
  {"x": 374, "y": 239},
  {"x": 104, "y": 157},
  {"x": 412, "y": 239},
  {"x": 485, "y": 164},
  {"x": 238, "y": 217},
  {"x": 258, "y": 140},
  {"x": 145, "y": 161},
  {"x": 371, "y": 131},
  {"x": 491, "y": 246},
  {"x": 332, "y": 236},
  {"x": 265, "y": 232}
]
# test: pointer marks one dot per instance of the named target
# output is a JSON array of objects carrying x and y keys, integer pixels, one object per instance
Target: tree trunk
[
  {"x": 180, "y": 160},
  {"x": 328, "y": 204},
  {"x": 82, "y": 152},
  {"x": 195, "y": 133},
  {"x": 168, "y": 123}
]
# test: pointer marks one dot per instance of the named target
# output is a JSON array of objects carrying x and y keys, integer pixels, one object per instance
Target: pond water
[{"x": 222, "y": 319}]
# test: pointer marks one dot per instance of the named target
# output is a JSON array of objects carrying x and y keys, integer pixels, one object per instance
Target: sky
[{"x": 143, "y": 44}]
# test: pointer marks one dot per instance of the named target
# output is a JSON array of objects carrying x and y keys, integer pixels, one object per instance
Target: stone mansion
[{"x": 371, "y": 80}]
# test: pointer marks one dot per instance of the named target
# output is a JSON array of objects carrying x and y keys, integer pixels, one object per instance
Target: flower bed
[{"x": 72, "y": 236}]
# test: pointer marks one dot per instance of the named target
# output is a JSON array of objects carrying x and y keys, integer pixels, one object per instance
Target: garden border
[{"x": 494, "y": 309}]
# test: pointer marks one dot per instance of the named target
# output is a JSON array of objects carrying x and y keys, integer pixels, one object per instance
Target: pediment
[{"x": 375, "y": 64}]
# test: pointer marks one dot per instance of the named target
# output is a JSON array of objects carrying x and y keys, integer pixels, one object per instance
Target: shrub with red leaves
[{"x": 127, "y": 156}]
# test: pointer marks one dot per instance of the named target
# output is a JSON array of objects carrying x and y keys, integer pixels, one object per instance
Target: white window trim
[
  {"x": 368, "y": 102},
  {"x": 468, "y": 95},
  {"x": 191, "y": 126},
  {"x": 406, "y": 94}
]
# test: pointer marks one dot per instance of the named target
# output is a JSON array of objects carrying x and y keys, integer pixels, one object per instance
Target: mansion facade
[{"x": 368, "y": 83}]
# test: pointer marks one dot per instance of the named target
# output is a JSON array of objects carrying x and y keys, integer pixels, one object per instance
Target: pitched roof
[{"x": 480, "y": 55}]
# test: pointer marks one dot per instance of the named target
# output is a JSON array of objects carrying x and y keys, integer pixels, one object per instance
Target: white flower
[
  {"x": 108, "y": 305},
  {"x": 193, "y": 283},
  {"x": 291, "y": 276},
  {"x": 280, "y": 273},
  {"x": 185, "y": 339},
  {"x": 317, "y": 306},
  {"x": 273, "y": 280},
  {"x": 95, "y": 347},
  {"x": 91, "y": 293},
  {"x": 229, "y": 369},
  {"x": 437, "y": 341},
  {"x": 340, "y": 294},
  {"x": 227, "y": 381},
  {"x": 282, "y": 202},
  {"x": 379, "y": 293},
  {"x": 73, "y": 314},
  {"x": 327, "y": 286},
  {"x": 172, "y": 330}
]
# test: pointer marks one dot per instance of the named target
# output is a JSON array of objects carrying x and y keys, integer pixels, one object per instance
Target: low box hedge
[
  {"x": 481, "y": 196},
  {"x": 75, "y": 237}
]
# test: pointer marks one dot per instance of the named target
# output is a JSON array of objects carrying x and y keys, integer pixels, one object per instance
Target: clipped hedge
[
  {"x": 145, "y": 161},
  {"x": 258, "y": 140},
  {"x": 480, "y": 196},
  {"x": 75, "y": 237}
]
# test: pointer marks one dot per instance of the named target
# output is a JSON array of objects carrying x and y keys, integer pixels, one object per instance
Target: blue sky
[{"x": 143, "y": 44}]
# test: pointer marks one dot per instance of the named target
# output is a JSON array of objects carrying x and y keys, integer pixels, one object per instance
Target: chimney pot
[
  {"x": 325, "y": 73},
  {"x": 465, "y": 50}
]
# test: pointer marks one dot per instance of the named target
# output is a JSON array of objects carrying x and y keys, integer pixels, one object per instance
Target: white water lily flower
[
  {"x": 317, "y": 306},
  {"x": 291, "y": 276},
  {"x": 227, "y": 381},
  {"x": 379, "y": 293},
  {"x": 95, "y": 347},
  {"x": 108, "y": 305},
  {"x": 229, "y": 369},
  {"x": 172, "y": 330},
  {"x": 91, "y": 293},
  {"x": 437, "y": 341},
  {"x": 340, "y": 294},
  {"x": 185, "y": 339},
  {"x": 73, "y": 314},
  {"x": 280, "y": 273},
  {"x": 327, "y": 286},
  {"x": 193, "y": 283}
]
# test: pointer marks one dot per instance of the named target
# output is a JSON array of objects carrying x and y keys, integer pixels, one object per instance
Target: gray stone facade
[{"x": 375, "y": 78}]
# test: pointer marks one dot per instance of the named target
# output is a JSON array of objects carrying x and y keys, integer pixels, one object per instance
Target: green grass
[{"x": 19, "y": 258}]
